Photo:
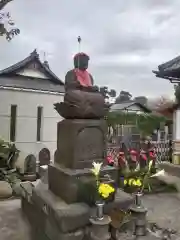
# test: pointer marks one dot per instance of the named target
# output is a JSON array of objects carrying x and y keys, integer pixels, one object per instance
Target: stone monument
[
  {"x": 56, "y": 208},
  {"x": 81, "y": 136}
]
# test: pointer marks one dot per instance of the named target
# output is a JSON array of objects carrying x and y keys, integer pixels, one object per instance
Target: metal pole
[{"x": 79, "y": 47}]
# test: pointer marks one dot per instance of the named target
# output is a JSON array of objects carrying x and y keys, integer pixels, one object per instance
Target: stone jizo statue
[{"x": 82, "y": 99}]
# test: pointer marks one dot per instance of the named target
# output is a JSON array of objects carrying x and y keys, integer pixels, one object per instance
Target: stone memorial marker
[
  {"x": 56, "y": 210},
  {"x": 44, "y": 157},
  {"x": 29, "y": 168},
  {"x": 81, "y": 136}
]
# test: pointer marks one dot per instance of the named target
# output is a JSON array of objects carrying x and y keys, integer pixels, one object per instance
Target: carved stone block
[{"x": 80, "y": 142}]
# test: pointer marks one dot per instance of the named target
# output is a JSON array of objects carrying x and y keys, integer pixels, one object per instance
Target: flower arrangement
[
  {"x": 139, "y": 181},
  {"x": 133, "y": 182},
  {"x": 104, "y": 190}
]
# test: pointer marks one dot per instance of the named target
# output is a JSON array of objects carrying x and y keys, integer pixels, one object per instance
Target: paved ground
[
  {"x": 164, "y": 209},
  {"x": 12, "y": 224}
]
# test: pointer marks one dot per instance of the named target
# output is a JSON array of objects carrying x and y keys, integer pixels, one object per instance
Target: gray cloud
[{"x": 125, "y": 39}]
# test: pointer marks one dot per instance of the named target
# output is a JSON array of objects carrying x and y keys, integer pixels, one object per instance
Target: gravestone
[
  {"x": 30, "y": 164},
  {"x": 29, "y": 168},
  {"x": 44, "y": 157}
]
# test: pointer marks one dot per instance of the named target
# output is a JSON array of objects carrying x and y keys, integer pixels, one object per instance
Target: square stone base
[
  {"x": 71, "y": 185},
  {"x": 53, "y": 219},
  {"x": 43, "y": 228}
]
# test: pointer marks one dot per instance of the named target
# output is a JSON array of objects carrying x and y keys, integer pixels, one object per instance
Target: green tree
[
  {"x": 124, "y": 96},
  {"x": 107, "y": 93},
  {"x": 7, "y": 27}
]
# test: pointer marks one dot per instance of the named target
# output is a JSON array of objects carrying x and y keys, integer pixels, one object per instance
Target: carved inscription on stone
[{"x": 89, "y": 145}]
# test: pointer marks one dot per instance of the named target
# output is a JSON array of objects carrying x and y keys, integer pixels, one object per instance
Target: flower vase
[{"x": 99, "y": 210}]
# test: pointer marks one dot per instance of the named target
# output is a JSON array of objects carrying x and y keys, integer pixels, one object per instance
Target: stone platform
[
  {"x": 54, "y": 219},
  {"x": 165, "y": 213},
  {"x": 74, "y": 183}
]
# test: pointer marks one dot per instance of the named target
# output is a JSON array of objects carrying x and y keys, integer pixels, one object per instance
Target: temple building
[
  {"x": 171, "y": 71},
  {"x": 28, "y": 90}
]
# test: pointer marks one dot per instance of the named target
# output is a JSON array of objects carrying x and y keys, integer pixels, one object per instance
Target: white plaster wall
[
  {"x": 174, "y": 126},
  {"x": 32, "y": 73},
  {"x": 27, "y": 103}
]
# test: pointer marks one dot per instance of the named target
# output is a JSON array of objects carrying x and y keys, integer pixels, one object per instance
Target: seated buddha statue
[{"x": 82, "y": 99}]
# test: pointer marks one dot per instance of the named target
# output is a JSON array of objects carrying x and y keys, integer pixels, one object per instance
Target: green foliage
[
  {"x": 146, "y": 123},
  {"x": 8, "y": 152}
]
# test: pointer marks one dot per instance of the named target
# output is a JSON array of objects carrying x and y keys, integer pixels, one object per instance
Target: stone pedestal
[
  {"x": 53, "y": 219},
  {"x": 80, "y": 142},
  {"x": 73, "y": 183},
  {"x": 100, "y": 229},
  {"x": 57, "y": 209}
]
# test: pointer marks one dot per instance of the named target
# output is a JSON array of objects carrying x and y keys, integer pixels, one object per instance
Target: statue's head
[{"x": 81, "y": 61}]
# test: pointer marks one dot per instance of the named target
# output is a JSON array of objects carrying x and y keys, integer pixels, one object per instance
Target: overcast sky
[{"x": 126, "y": 39}]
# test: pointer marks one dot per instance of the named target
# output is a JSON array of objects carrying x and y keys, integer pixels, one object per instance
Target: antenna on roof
[{"x": 44, "y": 57}]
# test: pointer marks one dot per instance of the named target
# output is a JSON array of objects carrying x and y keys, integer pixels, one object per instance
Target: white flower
[
  {"x": 160, "y": 173},
  {"x": 137, "y": 167},
  {"x": 150, "y": 165},
  {"x": 96, "y": 168}
]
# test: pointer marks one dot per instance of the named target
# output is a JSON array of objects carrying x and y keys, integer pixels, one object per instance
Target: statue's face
[{"x": 81, "y": 62}]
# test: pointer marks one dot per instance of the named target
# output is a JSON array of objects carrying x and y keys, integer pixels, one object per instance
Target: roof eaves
[
  {"x": 33, "y": 56},
  {"x": 54, "y": 77},
  {"x": 169, "y": 64}
]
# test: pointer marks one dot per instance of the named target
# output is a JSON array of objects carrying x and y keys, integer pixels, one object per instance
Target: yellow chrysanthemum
[
  {"x": 134, "y": 182},
  {"x": 125, "y": 182},
  {"x": 138, "y": 183},
  {"x": 130, "y": 182},
  {"x": 105, "y": 190}
]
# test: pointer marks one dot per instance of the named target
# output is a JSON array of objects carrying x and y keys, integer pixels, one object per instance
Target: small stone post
[
  {"x": 99, "y": 229},
  {"x": 139, "y": 215}
]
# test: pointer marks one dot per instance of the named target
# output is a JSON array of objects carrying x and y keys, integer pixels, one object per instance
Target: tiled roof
[
  {"x": 34, "y": 56},
  {"x": 169, "y": 70},
  {"x": 127, "y": 106},
  {"x": 171, "y": 65}
]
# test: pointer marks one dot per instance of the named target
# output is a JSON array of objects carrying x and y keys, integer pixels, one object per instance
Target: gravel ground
[{"x": 164, "y": 209}]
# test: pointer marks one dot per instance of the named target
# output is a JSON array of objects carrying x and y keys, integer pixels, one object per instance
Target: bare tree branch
[
  {"x": 3, "y": 3},
  {"x": 9, "y": 33}
]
